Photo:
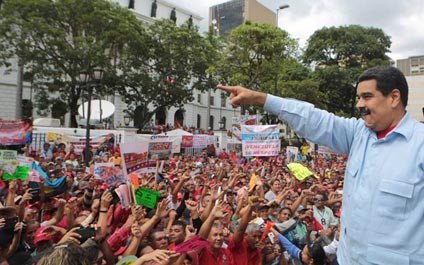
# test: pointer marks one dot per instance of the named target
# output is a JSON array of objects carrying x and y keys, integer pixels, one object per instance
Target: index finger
[{"x": 230, "y": 89}]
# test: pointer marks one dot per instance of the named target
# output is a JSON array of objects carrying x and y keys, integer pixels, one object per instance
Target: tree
[
  {"x": 172, "y": 62},
  {"x": 255, "y": 55},
  {"x": 339, "y": 55},
  {"x": 55, "y": 40}
]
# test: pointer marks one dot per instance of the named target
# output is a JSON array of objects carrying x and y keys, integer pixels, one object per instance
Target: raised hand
[
  {"x": 243, "y": 96},
  {"x": 135, "y": 230},
  {"x": 71, "y": 236},
  {"x": 162, "y": 209},
  {"x": 159, "y": 255},
  {"x": 105, "y": 200},
  {"x": 190, "y": 232},
  {"x": 218, "y": 210},
  {"x": 191, "y": 205}
]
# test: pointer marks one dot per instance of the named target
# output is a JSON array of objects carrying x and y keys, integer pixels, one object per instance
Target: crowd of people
[
  {"x": 225, "y": 209},
  {"x": 227, "y": 202}
]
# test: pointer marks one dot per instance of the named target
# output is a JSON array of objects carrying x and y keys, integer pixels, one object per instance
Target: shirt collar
[{"x": 405, "y": 126}]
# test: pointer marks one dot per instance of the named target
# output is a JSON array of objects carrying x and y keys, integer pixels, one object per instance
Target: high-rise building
[
  {"x": 413, "y": 69},
  {"x": 413, "y": 65},
  {"x": 229, "y": 15}
]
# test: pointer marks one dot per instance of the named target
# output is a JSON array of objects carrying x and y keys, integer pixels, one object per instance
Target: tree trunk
[{"x": 73, "y": 106}]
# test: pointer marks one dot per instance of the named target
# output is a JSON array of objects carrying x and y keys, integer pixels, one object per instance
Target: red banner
[{"x": 17, "y": 132}]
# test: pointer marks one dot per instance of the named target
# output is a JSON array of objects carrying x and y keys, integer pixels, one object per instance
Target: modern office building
[
  {"x": 229, "y": 15},
  {"x": 413, "y": 65},
  {"x": 413, "y": 69}
]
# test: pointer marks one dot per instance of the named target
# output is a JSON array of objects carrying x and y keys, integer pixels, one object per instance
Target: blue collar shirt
[{"x": 382, "y": 218}]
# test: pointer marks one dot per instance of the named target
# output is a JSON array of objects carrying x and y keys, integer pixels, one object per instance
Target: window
[
  {"x": 211, "y": 121},
  {"x": 223, "y": 100},
  {"x": 199, "y": 121},
  {"x": 212, "y": 100},
  {"x": 199, "y": 98}
]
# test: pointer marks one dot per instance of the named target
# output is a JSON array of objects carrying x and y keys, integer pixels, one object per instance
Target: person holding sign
[{"x": 384, "y": 187}]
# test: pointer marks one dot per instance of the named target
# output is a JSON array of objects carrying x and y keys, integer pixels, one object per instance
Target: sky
[{"x": 401, "y": 20}]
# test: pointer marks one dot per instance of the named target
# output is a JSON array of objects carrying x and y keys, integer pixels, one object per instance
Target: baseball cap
[
  {"x": 301, "y": 208},
  {"x": 260, "y": 207},
  {"x": 83, "y": 185},
  {"x": 42, "y": 234}
]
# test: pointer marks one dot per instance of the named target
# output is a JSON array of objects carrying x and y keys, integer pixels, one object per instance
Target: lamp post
[
  {"x": 127, "y": 120},
  {"x": 278, "y": 10},
  {"x": 90, "y": 80}
]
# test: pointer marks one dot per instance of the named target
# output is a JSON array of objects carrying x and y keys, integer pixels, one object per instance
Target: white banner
[
  {"x": 202, "y": 140},
  {"x": 140, "y": 157},
  {"x": 260, "y": 140},
  {"x": 291, "y": 153},
  {"x": 237, "y": 122}
]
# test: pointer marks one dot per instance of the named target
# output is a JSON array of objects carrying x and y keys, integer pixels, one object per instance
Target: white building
[{"x": 206, "y": 110}]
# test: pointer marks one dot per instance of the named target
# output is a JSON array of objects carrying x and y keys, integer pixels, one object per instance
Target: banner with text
[
  {"x": 140, "y": 157},
  {"x": 237, "y": 122},
  {"x": 15, "y": 132},
  {"x": 260, "y": 140},
  {"x": 197, "y": 141}
]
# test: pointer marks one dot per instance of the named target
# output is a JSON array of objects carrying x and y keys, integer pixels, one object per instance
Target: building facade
[
  {"x": 208, "y": 109},
  {"x": 411, "y": 66},
  {"x": 413, "y": 69},
  {"x": 229, "y": 15}
]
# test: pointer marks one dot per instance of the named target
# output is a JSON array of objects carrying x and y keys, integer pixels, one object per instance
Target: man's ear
[{"x": 396, "y": 97}]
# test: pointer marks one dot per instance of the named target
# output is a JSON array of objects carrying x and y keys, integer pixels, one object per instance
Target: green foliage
[
  {"x": 255, "y": 55},
  {"x": 339, "y": 55},
  {"x": 169, "y": 52},
  {"x": 57, "y": 39}
]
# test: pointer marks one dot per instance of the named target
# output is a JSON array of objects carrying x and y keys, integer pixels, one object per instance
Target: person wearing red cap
[{"x": 43, "y": 239}]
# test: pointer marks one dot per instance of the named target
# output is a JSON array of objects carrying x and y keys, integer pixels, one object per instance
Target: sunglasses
[{"x": 319, "y": 199}]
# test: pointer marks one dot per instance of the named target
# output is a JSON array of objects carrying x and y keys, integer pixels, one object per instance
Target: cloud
[{"x": 401, "y": 20}]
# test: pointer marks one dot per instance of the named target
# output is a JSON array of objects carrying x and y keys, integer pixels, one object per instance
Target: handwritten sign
[
  {"x": 260, "y": 140},
  {"x": 146, "y": 197},
  {"x": 112, "y": 176},
  {"x": 300, "y": 171}
]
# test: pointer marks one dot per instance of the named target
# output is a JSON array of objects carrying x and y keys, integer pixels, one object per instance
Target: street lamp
[
  {"x": 127, "y": 120},
  {"x": 221, "y": 124},
  {"x": 278, "y": 9},
  {"x": 90, "y": 80}
]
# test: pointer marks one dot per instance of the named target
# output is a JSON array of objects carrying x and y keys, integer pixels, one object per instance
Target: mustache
[{"x": 364, "y": 111}]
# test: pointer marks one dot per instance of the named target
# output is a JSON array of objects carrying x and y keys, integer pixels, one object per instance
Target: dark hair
[
  {"x": 153, "y": 232},
  {"x": 388, "y": 78},
  {"x": 286, "y": 208},
  {"x": 180, "y": 223},
  {"x": 323, "y": 194},
  {"x": 317, "y": 253}
]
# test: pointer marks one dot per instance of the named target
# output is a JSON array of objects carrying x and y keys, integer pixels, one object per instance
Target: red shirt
[
  {"x": 207, "y": 257},
  {"x": 242, "y": 255}
]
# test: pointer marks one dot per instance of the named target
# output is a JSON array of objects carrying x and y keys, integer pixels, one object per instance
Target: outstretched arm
[{"x": 243, "y": 96}]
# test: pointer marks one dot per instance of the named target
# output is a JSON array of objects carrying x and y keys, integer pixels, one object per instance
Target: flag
[
  {"x": 52, "y": 187},
  {"x": 268, "y": 227},
  {"x": 177, "y": 124}
]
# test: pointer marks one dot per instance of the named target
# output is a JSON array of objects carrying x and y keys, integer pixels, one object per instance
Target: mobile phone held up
[{"x": 35, "y": 191}]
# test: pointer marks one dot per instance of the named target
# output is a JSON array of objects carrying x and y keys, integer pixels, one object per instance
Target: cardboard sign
[
  {"x": 300, "y": 171},
  {"x": 21, "y": 173},
  {"x": 193, "y": 244},
  {"x": 8, "y": 161},
  {"x": 146, "y": 197}
]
